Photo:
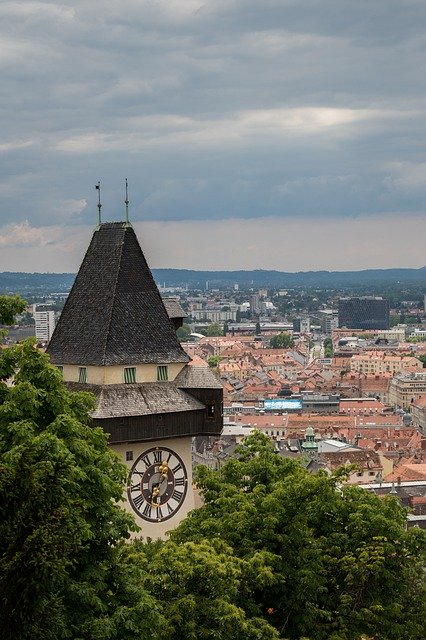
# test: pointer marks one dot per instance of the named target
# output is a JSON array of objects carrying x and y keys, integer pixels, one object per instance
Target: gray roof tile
[
  {"x": 114, "y": 313},
  {"x": 148, "y": 398},
  {"x": 197, "y": 377}
]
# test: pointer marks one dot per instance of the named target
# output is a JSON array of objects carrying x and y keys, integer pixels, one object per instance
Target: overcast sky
[{"x": 283, "y": 134}]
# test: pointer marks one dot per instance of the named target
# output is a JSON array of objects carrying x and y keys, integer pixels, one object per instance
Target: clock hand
[
  {"x": 156, "y": 489},
  {"x": 154, "y": 495}
]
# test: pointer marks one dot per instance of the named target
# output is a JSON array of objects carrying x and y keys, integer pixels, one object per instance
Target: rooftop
[{"x": 114, "y": 314}]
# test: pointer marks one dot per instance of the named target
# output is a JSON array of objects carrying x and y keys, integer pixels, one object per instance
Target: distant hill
[
  {"x": 17, "y": 282},
  {"x": 263, "y": 278}
]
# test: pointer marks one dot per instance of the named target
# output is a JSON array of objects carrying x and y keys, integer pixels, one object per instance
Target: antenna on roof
[
  {"x": 98, "y": 189},
  {"x": 126, "y": 202}
]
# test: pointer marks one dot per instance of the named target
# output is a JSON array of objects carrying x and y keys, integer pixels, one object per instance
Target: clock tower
[{"x": 115, "y": 339}]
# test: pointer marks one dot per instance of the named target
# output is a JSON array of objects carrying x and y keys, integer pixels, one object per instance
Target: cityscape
[
  {"x": 352, "y": 368},
  {"x": 212, "y": 320}
]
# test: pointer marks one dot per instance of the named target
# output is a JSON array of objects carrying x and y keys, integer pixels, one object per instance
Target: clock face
[{"x": 157, "y": 484}]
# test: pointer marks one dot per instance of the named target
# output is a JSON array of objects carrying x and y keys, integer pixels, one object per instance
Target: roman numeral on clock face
[
  {"x": 156, "y": 495},
  {"x": 177, "y": 495},
  {"x": 146, "y": 460},
  {"x": 147, "y": 511},
  {"x": 138, "y": 500}
]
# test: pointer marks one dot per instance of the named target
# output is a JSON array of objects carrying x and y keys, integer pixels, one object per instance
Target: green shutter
[
  {"x": 162, "y": 373},
  {"x": 82, "y": 374},
  {"x": 130, "y": 375}
]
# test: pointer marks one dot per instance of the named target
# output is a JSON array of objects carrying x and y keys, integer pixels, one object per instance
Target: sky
[{"x": 272, "y": 134}]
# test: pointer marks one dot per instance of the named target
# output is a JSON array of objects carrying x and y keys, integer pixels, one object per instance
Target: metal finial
[
  {"x": 98, "y": 189},
  {"x": 126, "y": 202}
]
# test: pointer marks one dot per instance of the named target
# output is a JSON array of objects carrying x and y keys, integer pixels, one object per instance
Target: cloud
[
  {"x": 285, "y": 245},
  {"x": 213, "y": 110},
  {"x": 23, "y": 235}
]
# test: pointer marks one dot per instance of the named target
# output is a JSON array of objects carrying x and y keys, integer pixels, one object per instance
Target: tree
[
  {"x": 9, "y": 307},
  {"x": 281, "y": 341},
  {"x": 213, "y": 361},
  {"x": 184, "y": 332},
  {"x": 61, "y": 524},
  {"x": 199, "y": 585},
  {"x": 214, "y": 329},
  {"x": 258, "y": 330},
  {"x": 328, "y": 348},
  {"x": 341, "y": 563}
]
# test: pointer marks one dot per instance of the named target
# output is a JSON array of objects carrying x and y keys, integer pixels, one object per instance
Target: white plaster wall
[{"x": 182, "y": 446}]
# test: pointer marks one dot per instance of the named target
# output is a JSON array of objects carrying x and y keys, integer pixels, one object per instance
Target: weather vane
[
  {"x": 98, "y": 189},
  {"x": 126, "y": 202}
]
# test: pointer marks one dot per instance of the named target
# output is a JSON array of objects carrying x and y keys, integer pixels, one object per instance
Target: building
[
  {"x": 364, "y": 313},
  {"x": 214, "y": 315},
  {"x": 328, "y": 320},
  {"x": 379, "y": 362},
  {"x": 320, "y": 403},
  {"x": 418, "y": 411},
  {"x": 406, "y": 388},
  {"x": 116, "y": 340},
  {"x": 301, "y": 325},
  {"x": 44, "y": 318},
  {"x": 397, "y": 334}
]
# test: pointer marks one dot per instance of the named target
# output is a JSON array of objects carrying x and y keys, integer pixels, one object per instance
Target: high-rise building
[
  {"x": 364, "y": 313},
  {"x": 115, "y": 339},
  {"x": 44, "y": 318},
  {"x": 255, "y": 304},
  {"x": 301, "y": 325}
]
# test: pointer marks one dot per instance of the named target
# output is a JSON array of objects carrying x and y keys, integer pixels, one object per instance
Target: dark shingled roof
[
  {"x": 114, "y": 313},
  {"x": 173, "y": 308},
  {"x": 197, "y": 377},
  {"x": 142, "y": 399}
]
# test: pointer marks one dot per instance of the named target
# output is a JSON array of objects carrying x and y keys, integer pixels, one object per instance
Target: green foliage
[
  {"x": 214, "y": 329},
  {"x": 184, "y": 332},
  {"x": 337, "y": 561},
  {"x": 198, "y": 586},
  {"x": 328, "y": 348},
  {"x": 213, "y": 361},
  {"x": 415, "y": 339},
  {"x": 60, "y": 486},
  {"x": 9, "y": 307},
  {"x": 281, "y": 341}
]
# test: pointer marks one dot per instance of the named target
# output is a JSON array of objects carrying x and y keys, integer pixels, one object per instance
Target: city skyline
[{"x": 284, "y": 136}]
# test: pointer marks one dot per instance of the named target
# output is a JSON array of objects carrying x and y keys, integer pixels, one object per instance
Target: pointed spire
[{"x": 114, "y": 313}]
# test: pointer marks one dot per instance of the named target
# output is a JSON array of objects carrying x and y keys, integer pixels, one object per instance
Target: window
[
  {"x": 129, "y": 455},
  {"x": 82, "y": 374},
  {"x": 60, "y": 368},
  {"x": 162, "y": 373},
  {"x": 210, "y": 411},
  {"x": 129, "y": 374}
]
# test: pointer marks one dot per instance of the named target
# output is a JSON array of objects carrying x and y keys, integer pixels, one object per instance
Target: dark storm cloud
[{"x": 213, "y": 110}]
